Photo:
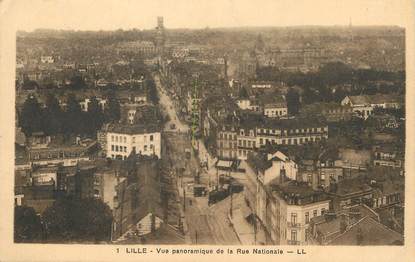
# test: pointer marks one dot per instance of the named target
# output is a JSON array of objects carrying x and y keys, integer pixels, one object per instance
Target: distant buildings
[
  {"x": 43, "y": 151},
  {"x": 332, "y": 112},
  {"x": 364, "y": 105},
  {"x": 47, "y": 59}
]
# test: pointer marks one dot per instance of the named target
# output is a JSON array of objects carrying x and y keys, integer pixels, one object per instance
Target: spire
[{"x": 350, "y": 29}]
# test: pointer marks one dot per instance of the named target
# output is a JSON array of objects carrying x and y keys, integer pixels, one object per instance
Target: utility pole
[
  {"x": 184, "y": 199},
  {"x": 217, "y": 178},
  {"x": 196, "y": 236},
  {"x": 231, "y": 208}
]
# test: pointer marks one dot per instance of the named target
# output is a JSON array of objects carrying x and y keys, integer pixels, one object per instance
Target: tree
[
  {"x": 73, "y": 116},
  {"x": 27, "y": 225},
  {"x": 113, "y": 111},
  {"x": 31, "y": 116},
  {"x": 95, "y": 116},
  {"x": 152, "y": 91},
  {"x": 293, "y": 101},
  {"x": 77, "y": 82},
  {"x": 52, "y": 116},
  {"x": 70, "y": 219}
]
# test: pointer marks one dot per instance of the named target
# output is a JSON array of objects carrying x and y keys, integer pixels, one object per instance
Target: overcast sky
[{"x": 128, "y": 14}]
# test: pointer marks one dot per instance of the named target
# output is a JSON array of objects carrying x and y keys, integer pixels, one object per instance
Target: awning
[{"x": 224, "y": 163}]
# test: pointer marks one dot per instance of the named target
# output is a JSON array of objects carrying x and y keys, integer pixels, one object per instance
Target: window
[
  {"x": 261, "y": 141},
  {"x": 151, "y": 147},
  {"x": 314, "y": 213},
  {"x": 112, "y": 138},
  {"x": 293, "y": 218},
  {"x": 125, "y": 139},
  {"x": 133, "y": 139},
  {"x": 323, "y": 210},
  {"x": 294, "y": 235},
  {"x": 145, "y": 148},
  {"x": 116, "y": 148},
  {"x": 134, "y": 149},
  {"x": 307, "y": 217},
  {"x": 151, "y": 137},
  {"x": 116, "y": 138},
  {"x": 125, "y": 149},
  {"x": 112, "y": 147}
]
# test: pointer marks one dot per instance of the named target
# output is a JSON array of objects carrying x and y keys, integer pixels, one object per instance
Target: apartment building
[
  {"x": 288, "y": 210},
  {"x": 122, "y": 139},
  {"x": 291, "y": 131}
]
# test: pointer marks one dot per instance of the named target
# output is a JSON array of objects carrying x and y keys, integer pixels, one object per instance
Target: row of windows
[
  {"x": 246, "y": 143},
  {"x": 289, "y": 141},
  {"x": 232, "y": 154},
  {"x": 119, "y": 139},
  {"x": 276, "y": 112},
  {"x": 242, "y": 132},
  {"x": 119, "y": 148},
  {"x": 123, "y": 139},
  {"x": 227, "y": 136},
  {"x": 243, "y": 152},
  {"x": 231, "y": 145},
  {"x": 291, "y": 131},
  {"x": 307, "y": 216}
]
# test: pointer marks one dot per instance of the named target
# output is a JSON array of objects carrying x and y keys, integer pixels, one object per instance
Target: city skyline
[{"x": 126, "y": 15}]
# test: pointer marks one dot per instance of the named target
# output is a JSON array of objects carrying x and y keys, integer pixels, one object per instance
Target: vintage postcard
[{"x": 200, "y": 130}]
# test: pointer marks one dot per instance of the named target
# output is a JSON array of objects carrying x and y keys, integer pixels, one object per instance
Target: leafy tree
[
  {"x": 152, "y": 91},
  {"x": 73, "y": 116},
  {"x": 293, "y": 101},
  {"x": 52, "y": 116},
  {"x": 77, "y": 82},
  {"x": 113, "y": 111},
  {"x": 31, "y": 116},
  {"x": 27, "y": 225},
  {"x": 95, "y": 115},
  {"x": 30, "y": 84},
  {"x": 71, "y": 219}
]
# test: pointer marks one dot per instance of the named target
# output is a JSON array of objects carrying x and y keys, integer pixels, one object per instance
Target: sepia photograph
[{"x": 223, "y": 123}]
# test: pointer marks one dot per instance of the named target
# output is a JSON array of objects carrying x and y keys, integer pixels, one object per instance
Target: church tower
[{"x": 160, "y": 34}]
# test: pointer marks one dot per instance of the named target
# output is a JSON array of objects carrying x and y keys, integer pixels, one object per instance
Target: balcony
[
  {"x": 293, "y": 242},
  {"x": 293, "y": 224}
]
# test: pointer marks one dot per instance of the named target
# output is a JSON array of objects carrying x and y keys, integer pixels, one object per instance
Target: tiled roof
[
  {"x": 133, "y": 129},
  {"x": 372, "y": 233}
]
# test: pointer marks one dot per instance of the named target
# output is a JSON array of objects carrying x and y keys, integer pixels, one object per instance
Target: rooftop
[
  {"x": 133, "y": 129},
  {"x": 297, "y": 193},
  {"x": 368, "y": 231}
]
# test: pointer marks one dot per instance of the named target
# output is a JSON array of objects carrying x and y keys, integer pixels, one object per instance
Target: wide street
[
  {"x": 203, "y": 225},
  {"x": 168, "y": 108}
]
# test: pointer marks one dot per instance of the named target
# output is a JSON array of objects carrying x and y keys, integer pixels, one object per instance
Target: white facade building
[{"x": 122, "y": 140}]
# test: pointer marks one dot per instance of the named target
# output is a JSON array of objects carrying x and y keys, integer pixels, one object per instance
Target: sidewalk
[{"x": 244, "y": 230}]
